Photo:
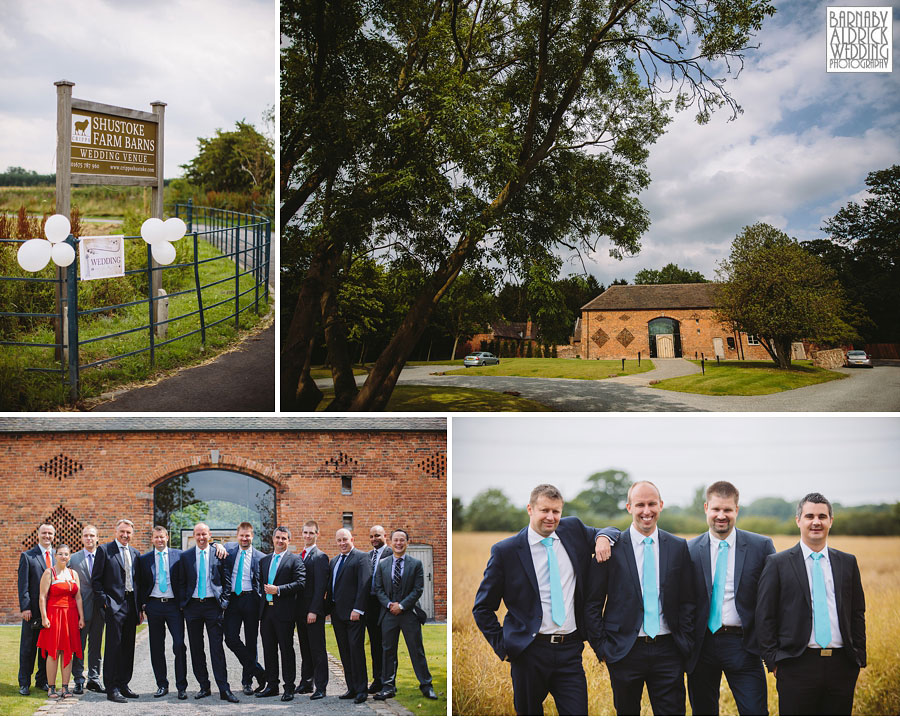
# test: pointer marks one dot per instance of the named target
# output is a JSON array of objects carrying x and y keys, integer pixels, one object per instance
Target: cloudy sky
[
  {"x": 852, "y": 460},
  {"x": 801, "y": 150},
  {"x": 213, "y": 62}
]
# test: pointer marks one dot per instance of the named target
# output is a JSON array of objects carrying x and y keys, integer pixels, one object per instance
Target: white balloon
[
  {"x": 34, "y": 254},
  {"x": 152, "y": 230},
  {"x": 63, "y": 254},
  {"x": 57, "y": 228},
  {"x": 163, "y": 252},
  {"x": 175, "y": 229}
]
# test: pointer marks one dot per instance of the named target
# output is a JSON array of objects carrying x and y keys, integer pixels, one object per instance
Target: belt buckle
[
  {"x": 826, "y": 652},
  {"x": 270, "y": 602},
  {"x": 556, "y": 639}
]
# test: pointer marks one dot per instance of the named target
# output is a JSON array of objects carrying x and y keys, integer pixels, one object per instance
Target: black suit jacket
[
  {"x": 509, "y": 577},
  {"x": 751, "y": 551},
  {"x": 78, "y": 563},
  {"x": 256, "y": 557},
  {"x": 412, "y": 583},
  {"x": 383, "y": 552},
  {"x": 108, "y": 578},
  {"x": 290, "y": 577},
  {"x": 147, "y": 567},
  {"x": 614, "y": 608},
  {"x": 351, "y": 591},
  {"x": 31, "y": 567},
  {"x": 312, "y": 599},
  {"x": 219, "y": 582},
  {"x": 784, "y": 606}
]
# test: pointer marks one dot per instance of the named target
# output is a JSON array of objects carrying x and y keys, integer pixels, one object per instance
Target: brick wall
[{"x": 78, "y": 478}]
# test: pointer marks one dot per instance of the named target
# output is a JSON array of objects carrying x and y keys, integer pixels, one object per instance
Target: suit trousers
[
  {"x": 28, "y": 654},
  {"x": 161, "y": 615},
  {"x": 373, "y": 612},
  {"x": 351, "y": 642},
  {"x": 816, "y": 685},
  {"x": 746, "y": 677},
  {"x": 208, "y": 614},
  {"x": 660, "y": 666},
  {"x": 244, "y": 610},
  {"x": 391, "y": 627},
  {"x": 91, "y": 637},
  {"x": 550, "y": 668},
  {"x": 118, "y": 658},
  {"x": 313, "y": 657},
  {"x": 278, "y": 635}
]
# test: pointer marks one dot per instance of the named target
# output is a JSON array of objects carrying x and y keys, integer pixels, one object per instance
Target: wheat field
[{"x": 481, "y": 684}]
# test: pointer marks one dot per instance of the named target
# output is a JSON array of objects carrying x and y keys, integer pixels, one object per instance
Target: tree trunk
[
  {"x": 338, "y": 354},
  {"x": 455, "y": 343},
  {"x": 430, "y": 344},
  {"x": 307, "y": 394},
  {"x": 783, "y": 348}
]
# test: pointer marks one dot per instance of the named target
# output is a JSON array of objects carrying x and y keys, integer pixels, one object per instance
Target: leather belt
[
  {"x": 823, "y": 652},
  {"x": 559, "y": 639},
  {"x": 651, "y": 640},
  {"x": 730, "y": 630}
]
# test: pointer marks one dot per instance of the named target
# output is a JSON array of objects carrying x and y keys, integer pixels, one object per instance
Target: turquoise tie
[
  {"x": 201, "y": 576},
  {"x": 651, "y": 593},
  {"x": 821, "y": 621},
  {"x": 557, "y": 606},
  {"x": 272, "y": 571},
  {"x": 238, "y": 583},
  {"x": 162, "y": 572},
  {"x": 718, "y": 590}
]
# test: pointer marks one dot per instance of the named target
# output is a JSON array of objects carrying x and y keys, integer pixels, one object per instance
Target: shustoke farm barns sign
[{"x": 105, "y": 144}]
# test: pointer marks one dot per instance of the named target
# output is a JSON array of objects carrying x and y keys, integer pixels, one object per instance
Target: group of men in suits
[
  {"x": 654, "y": 607},
  {"x": 224, "y": 588}
]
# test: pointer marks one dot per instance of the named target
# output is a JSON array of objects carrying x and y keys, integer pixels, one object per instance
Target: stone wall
[{"x": 828, "y": 359}]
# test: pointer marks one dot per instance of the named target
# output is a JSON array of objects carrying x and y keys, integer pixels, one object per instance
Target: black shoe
[
  {"x": 429, "y": 693},
  {"x": 267, "y": 691},
  {"x": 115, "y": 696},
  {"x": 160, "y": 691},
  {"x": 287, "y": 697},
  {"x": 304, "y": 688},
  {"x": 126, "y": 691},
  {"x": 43, "y": 686},
  {"x": 247, "y": 688},
  {"x": 79, "y": 688},
  {"x": 228, "y": 695},
  {"x": 361, "y": 698},
  {"x": 24, "y": 690},
  {"x": 385, "y": 694},
  {"x": 95, "y": 686},
  {"x": 375, "y": 686},
  {"x": 182, "y": 694},
  {"x": 347, "y": 695},
  {"x": 317, "y": 695},
  {"x": 202, "y": 694}
]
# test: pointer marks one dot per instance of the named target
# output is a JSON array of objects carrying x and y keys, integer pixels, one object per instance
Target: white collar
[
  {"x": 637, "y": 537},
  {"x": 535, "y": 537},
  {"x": 731, "y": 539},
  {"x": 807, "y": 550}
]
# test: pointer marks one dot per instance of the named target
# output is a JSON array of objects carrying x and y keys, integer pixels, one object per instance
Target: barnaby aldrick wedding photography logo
[{"x": 858, "y": 39}]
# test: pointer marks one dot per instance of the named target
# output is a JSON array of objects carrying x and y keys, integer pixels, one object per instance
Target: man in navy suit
[
  {"x": 311, "y": 616},
  {"x": 242, "y": 566},
  {"x": 162, "y": 606},
  {"x": 283, "y": 576},
  {"x": 117, "y": 591},
  {"x": 32, "y": 564},
  {"x": 540, "y": 574},
  {"x": 725, "y": 634},
  {"x": 92, "y": 632},
  {"x": 640, "y": 608},
  {"x": 204, "y": 588},
  {"x": 379, "y": 551},
  {"x": 811, "y": 618}
]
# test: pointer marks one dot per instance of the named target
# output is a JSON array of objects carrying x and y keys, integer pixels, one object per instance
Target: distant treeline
[{"x": 20, "y": 177}]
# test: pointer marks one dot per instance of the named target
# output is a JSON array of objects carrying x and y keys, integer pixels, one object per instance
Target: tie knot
[
  {"x": 648, "y": 541},
  {"x": 547, "y": 542},
  {"x": 815, "y": 555},
  {"x": 723, "y": 545}
]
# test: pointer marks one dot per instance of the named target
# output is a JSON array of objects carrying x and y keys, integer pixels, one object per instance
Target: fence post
[
  {"x": 190, "y": 214},
  {"x": 199, "y": 294},
  {"x": 268, "y": 250},
  {"x": 257, "y": 235},
  {"x": 72, "y": 310},
  {"x": 152, "y": 305},
  {"x": 237, "y": 291}
]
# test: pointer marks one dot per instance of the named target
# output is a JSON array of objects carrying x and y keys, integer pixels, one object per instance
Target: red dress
[{"x": 63, "y": 635}]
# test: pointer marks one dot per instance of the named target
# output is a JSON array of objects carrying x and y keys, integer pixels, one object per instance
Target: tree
[
  {"x": 241, "y": 161},
  {"x": 459, "y": 514},
  {"x": 491, "y": 510},
  {"x": 468, "y": 308},
  {"x": 463, "y": 133},
  {"x": 606, "y": 492},
  {"x": 776, "y": 290},
  {"x": 671, "y": 274}
]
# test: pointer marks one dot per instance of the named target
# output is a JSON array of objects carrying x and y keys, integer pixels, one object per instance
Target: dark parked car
[
  {"x": 480, "y": 358},
  {"x": 858, "y": 358}
]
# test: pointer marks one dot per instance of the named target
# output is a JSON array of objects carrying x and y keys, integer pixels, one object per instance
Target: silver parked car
[
  {"x": 858, "y": 358},
  {"x": 476, "y": 359}
]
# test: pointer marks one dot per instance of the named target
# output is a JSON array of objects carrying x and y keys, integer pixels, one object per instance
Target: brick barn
[
  {"x": 662, "y": 321},
  {"x": 175, "y": 472}
]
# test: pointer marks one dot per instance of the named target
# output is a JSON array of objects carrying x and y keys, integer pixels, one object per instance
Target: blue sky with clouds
[
  {"x": 800, "y": 151},
  {"x": 213, "y": 62}
]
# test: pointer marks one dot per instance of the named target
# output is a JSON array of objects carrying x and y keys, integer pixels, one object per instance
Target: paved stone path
[{"x": 144, "y": 684}]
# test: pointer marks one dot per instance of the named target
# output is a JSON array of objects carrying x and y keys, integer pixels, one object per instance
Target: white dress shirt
[
  {"x": 837, "y": 640},
  {"x": 197, "y": 552},
  {"x": 156, "y": 592},
  {"x": 246, "y": 579},
  {"x": 730, "y": 615},
  {"x": 637, "y": 542},
  {"x": 126, "y": 559},
  {"x": 566, "y": 577}
]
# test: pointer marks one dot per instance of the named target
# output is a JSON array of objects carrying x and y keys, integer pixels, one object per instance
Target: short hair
[
  {"x": 89, "y": 526},
  {"x": 724, "y": 489},
  {"x": 160, "y": 528},
  {"x": 400, "y": 530},
  {"x": 282, "y": 529},
  {"x": 551, "y": 492},
  {"x": 49, "y": 525},
  {"x": 312, "y": 524},
  {"x": 245, "y": 526},
  {"x": 126, "y": 521},
  {"x": 60, "y": 547},
  {"x": 816, "y": 499},
  {"x": 641, "y": 482}
]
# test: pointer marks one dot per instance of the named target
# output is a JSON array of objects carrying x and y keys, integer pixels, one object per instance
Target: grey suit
[{"x": 92, "y": 632}]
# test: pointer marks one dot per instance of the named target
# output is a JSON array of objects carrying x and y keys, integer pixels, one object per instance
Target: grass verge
[
  {"x": 749, "y": 378},
  {"x": 434, "y": 638},
  {"x": 420, "y": 398},
  {"x": 574, "y": 368}
]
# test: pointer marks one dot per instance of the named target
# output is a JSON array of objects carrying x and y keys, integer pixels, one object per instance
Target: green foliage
[
  {"x": 492, "y": 510},
  {"x": 20, "y": 177},
  {"x": 670, "y": 274},
  {"x": 605, "y": 495},
  {"x": 458, "y": 514}
]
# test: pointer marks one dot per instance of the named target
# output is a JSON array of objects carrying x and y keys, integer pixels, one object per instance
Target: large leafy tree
[
  {"x": 241, "y": 160},
  {"x": 462, "y": 133},
  {"x": 670, "y": 274},
  {"x": 778, "y": 291}
]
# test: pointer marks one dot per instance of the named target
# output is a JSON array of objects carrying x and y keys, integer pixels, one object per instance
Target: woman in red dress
[{"x": 63, "y": 617}]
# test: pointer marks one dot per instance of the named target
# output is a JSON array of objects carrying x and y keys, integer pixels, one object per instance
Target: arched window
[
  {"x": 664, "y": 326},
  {"x": 220, "y": 498}
]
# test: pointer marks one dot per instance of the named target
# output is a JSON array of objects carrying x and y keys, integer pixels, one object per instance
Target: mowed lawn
[
  {"x": 572, "y": 368},
  {"x": 749, "y": 378},
  {"x": 481, "y": 684},
  {"x": 420, "y": 398}
]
